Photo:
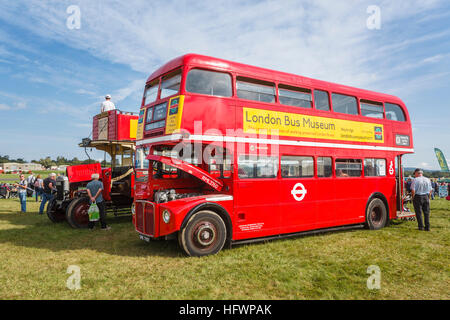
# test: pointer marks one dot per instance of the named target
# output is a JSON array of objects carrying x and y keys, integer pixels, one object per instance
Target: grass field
[
  {"x": 115, "y": 264},
  {"x": 14, "y": 177}
]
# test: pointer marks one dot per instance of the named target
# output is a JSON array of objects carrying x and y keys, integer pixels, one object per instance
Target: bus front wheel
[
  {"x": 204, "y": 234},
  {"x": 376, "y": 214}
]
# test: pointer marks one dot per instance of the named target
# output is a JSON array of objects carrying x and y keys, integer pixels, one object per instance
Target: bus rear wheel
[
  {"x": 77, "y": 213},
  {"x": 376, "y": 214},
  {"x": 54, "y": 213},
  {"x": 204, "y": 234}
]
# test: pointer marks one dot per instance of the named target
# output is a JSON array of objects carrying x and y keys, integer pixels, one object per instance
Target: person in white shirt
[{"x": 107, "y": 105}]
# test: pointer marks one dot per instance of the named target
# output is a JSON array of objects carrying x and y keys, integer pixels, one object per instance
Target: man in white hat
[{"x": 107, "y": 105}]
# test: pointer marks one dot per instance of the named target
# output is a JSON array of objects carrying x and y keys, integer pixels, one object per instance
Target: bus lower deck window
[
  {"x": 374, "y": 167},
  {"x": 324, "y": 167},
  {"x": 257, "y": 167},
  {"x": 296, "y": 167},
  {"x": 348, "y": 167}
]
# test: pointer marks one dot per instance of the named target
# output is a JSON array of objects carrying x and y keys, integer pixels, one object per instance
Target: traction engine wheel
[
  {"x": 54, "y": 214},
  {"x": 77, "y": 213},
  {"x": 376, "y": 214},
  {"x": 204, "y": 234}
]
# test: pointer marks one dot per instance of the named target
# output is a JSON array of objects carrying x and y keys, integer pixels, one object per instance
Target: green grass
[
  {"x": 14, "y": 177},
  {"x": 115, "y": 264}
]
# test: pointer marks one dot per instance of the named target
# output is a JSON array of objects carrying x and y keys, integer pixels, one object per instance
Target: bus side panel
[{"x": 298, "y": 213}]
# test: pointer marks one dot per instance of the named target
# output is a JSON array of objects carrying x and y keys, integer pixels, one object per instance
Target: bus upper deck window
[
  {"x": 344, "y": 104},
  {"x": 170, "y": 84},
  {"x": 394, "y": 112},
  {"x": 209, "y": 82},
  {"x": 252, "y": 89},
  {"x": 151, "y": 92},
  {"x": 372, "y": 109},
  {"x": 321, "y": 100},
  {"x": 293, "y": 96}
]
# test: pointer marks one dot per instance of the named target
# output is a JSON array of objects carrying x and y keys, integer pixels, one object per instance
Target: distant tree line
[
  {"x": 48, "y": 162},
  {"x": 429, "y": 174},
  {"x": 5, "y": 159}
]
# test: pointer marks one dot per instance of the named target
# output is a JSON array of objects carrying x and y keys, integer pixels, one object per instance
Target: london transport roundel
[
  {"x": 299, "y": 191},
  {"x": 391, "y": 168}
]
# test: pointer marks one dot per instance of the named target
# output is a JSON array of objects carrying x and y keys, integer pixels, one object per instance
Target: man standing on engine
[{"x": 107, "y": 105}]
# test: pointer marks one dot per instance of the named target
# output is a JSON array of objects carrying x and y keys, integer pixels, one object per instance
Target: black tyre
[
  {"x": 204, "y": 234},
  {"x": 77, "y": 213},
  {"x": 54, "y": 213},
  {"x": 376, "y": 214}
]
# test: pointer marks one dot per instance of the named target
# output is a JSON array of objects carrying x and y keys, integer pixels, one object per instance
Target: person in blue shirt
[
  {"x": 94, "y": 190},
  {"x": 421, "y": 192},
  {"x": 23, "y": 186}
]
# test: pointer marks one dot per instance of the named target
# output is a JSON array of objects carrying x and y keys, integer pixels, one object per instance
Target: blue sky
[{"x": 52, "y": 78}]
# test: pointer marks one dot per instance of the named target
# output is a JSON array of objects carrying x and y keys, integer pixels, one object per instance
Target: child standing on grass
[{"x": 23, "y": 193}]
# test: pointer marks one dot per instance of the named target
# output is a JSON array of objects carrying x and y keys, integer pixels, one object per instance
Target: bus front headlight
[{"x": 166, "y": 216}]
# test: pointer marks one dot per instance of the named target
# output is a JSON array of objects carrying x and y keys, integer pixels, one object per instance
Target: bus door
[
  {"x": 256, "y": 197},
  {"x": 297, "y": 193},
  {"x": 399, "y": 184},
  {"x": 402, "y": 199}
]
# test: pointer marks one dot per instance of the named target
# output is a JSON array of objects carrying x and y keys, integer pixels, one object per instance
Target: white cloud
[
  {"x": 4, "y": 107},
  {"x": 322, "y": 39},
  {"x": 85, "y": 92}
]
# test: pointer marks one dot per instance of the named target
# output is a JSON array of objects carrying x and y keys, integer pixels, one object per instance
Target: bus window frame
[
  {"x": 333, "y": 173},
  {"x": 330, "y": 106},
  {"x": 401, "y": 108},
  {"x": 256, "y": 81},
  {"x": 144, "y": 98},
  {"x": 372, "y": 102},
  {"x": 181, "y": 69},
  {"x": 190, "y": 68},
  {"x": 297, "y": 156},
  {"x": 348, "y": 176},
  {"x": 358, "y": 109}
]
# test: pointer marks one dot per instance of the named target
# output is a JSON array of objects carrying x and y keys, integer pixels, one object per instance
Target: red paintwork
[
  {"x": 193, "y": 170},
  {"x": 106, "y": 179},
  {"x": 263, "y": 207},
  {"x": 83, "y": 172},
  {"x": 118, "y": 125}
]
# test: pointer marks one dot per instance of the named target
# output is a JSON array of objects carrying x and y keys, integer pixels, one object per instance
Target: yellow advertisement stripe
[
  {"x": 298, "y": 125},
  {"x": 174, "y": 114},
  {"x": 133, "y": 128}
]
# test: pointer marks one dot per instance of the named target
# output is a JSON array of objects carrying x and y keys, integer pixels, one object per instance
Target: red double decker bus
[{"x": 235, "y": 153}]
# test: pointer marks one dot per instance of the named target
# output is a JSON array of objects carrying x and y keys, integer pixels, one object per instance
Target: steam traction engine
[{"x": 113, "y": 132}]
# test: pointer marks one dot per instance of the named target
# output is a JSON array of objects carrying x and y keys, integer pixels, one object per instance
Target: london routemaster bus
[{"x": 230, "y": 153}]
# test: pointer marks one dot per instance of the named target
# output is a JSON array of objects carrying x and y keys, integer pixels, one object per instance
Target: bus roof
[{"x": 269, "y": 75}]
